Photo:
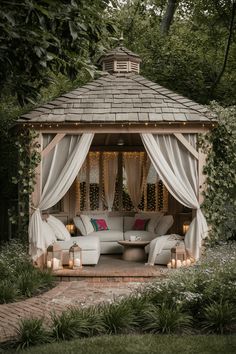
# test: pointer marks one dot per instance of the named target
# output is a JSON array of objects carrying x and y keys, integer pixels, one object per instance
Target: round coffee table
[{"x": 134, "y": 250}]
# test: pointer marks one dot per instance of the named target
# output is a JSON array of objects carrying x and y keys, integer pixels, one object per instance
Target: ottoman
[{"x": 90, "y": 246}]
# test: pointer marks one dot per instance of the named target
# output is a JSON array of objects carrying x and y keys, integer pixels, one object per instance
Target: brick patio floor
[{"x": 64, "y": 295}]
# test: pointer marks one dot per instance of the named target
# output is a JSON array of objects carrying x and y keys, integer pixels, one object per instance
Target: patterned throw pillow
[
  {"x": 99, "y": 224},
  {"x": 140, "y": 224}
]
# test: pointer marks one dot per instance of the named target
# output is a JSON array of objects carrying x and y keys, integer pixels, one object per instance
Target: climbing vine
[
  {"x": 220, "y": 194},
  {"x": 28, "y": 159}
]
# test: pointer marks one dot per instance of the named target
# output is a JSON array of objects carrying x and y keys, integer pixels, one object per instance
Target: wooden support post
[
  {"x": 186, "y": 144},
  {"x": 120, "y": 181},
  {"x": 101, "y": 167},
  {"x": 87, "y": 198}
]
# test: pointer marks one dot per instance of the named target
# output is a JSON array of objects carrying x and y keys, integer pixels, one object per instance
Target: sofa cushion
[
  {"x": 144, "y": 235},
  {"x": 85, "y": 242},
  {"x": 115, "y": 223},
  {"x": 87, "y": 224},
  {"x": 154, "y": 217},
  {"x": 61, "y": 232},
  {"x": 108, "y": 235},
  {"x": 48, "y": 234},
  {"x": 164, "y": 225},
  {"x": 79, "y": 225},
  {"x": 128, "y": 223}
]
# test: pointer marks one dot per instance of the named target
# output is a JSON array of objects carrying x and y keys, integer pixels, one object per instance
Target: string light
[{"x": 184, "y": 123}]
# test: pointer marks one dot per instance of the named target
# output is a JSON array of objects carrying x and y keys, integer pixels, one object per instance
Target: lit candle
[
  {"x": 55, "y": 262},
  {"x": 169, "y": 265},
  {"x": 70, "y": 263},
  {"x": 173, "y": 263},
  {"x": 184, "y": 264},
  {"x": 77, "y": 262},
  {"x": 188, "y": 262},
  {"x": 178, "y": 264},
  {"x": 49, "y": 264}
]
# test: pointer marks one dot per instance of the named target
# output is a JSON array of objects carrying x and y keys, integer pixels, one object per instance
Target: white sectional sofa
[{"x": 120, "y": 228}]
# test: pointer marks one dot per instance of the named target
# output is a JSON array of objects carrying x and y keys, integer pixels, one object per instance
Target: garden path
[{"x": 64, "y": 295}]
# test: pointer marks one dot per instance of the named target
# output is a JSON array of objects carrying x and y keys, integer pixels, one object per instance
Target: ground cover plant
[
  {"x": 198, "y": 300},
  {"x": 18, "y": 277}
]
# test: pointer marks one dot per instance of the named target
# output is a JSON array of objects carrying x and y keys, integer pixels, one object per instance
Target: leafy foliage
[
  {"x": 220, "y": 194},
  {"x": 31, "y": 332},
  {"x": 18, "y": 277},
  {"x": 42, "y": 36},
  {"x": 190, "y": 58}
]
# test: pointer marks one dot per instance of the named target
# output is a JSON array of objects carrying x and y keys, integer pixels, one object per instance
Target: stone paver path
[{"x": 64, "y": 295}]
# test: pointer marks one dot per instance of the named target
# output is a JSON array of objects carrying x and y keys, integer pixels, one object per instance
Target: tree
[
  {"x": 168, "y": 16},
  {"x": 43, "y": 36}
]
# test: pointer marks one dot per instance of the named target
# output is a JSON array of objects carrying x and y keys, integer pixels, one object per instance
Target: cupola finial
[{"x": 121, "y": 39}]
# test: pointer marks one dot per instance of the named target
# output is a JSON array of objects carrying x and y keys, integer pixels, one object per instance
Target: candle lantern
[
  {"x": 54, "y": 257},
  {"x": 186, "y": 225},
  {"x": 75, "y": 257},
  {"x": 178, "y": 256},
  {"x": 71, "y": 228}
]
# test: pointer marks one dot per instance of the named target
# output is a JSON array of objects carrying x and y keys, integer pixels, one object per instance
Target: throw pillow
[
  {"x": 164, "y": 225},
  {"x": 61, "y": 232},
  {"x": 87, "y": 224},
  {"x": 140, "y": 224},
  {"x": 79, "y": 225},
  {"x": 48, "y": 234},
  {"x": 154, "y": 217},
  {"x": 99, "y": 224}
]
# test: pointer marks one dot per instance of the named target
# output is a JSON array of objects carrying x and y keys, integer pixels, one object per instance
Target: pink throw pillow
[
  {"x": 140, "y": 224},
  {"x": 99, "y": 224}
]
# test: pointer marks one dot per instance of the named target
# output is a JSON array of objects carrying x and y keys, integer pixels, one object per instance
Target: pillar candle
[
  {"x": 49, "y": 264},
  {"x": 173, "y": 263},
  {"x": 169, "y": 265}
]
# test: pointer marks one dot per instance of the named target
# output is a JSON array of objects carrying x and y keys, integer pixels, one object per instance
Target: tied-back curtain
[
  {"x": 133, "y": 163},
  {"x": 110, "y": 164},
  {"x": 59, "y": 169},
  {"x": 178, "y": 170}
]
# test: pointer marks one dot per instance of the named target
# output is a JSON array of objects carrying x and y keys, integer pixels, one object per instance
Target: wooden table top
[{"x": 138, "y": 243}]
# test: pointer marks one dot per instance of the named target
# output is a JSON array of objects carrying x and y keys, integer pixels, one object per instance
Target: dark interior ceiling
[{"x": 109, "y": 141}]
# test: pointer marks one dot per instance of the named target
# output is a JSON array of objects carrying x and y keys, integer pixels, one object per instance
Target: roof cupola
[{"x": 120, "y": 60}]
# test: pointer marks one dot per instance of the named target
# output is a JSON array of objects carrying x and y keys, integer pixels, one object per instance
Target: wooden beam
[
  {"x": 186, "y": 144},
  {"x": 119, "y": 128},
  {"x": 52, "y": 144}
]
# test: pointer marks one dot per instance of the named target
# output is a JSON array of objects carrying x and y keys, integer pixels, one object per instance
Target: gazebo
[{"x": 120, "y": 112}]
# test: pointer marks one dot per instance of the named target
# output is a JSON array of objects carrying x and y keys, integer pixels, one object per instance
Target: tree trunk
[
  {"x": 231, "y": 29},
  {"x": 168, "y": 16}
]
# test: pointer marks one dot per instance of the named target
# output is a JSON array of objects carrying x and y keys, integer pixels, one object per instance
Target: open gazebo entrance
[
  {"x": 87, "y": 193},
  {"x": 121, "y": 107}
]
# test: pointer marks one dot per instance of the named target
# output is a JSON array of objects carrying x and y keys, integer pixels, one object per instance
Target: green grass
[{"x": 145, "y": 344}]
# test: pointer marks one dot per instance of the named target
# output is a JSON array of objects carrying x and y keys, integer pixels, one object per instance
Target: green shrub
[
  {"x": 77, "y": 323},
  {"x": 118, "y": 317},
  {"x": 31, "y": 332},
  {"x": 18, "y": 277},
  {"x": 8, "y": 291},
  {"x": 219, "y": 318},
  {"x": 165, "y": 319}
]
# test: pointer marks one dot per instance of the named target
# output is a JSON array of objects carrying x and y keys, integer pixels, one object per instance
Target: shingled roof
[{"x": 123, "y": 96}]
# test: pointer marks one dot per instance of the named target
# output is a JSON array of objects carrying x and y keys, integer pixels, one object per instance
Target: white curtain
[
  {"x": 133, "y": 163},
  {"x": 178, "y": 170},
  {"x": 59, "y": 169},
  {"x": 110, "y": 165}
]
